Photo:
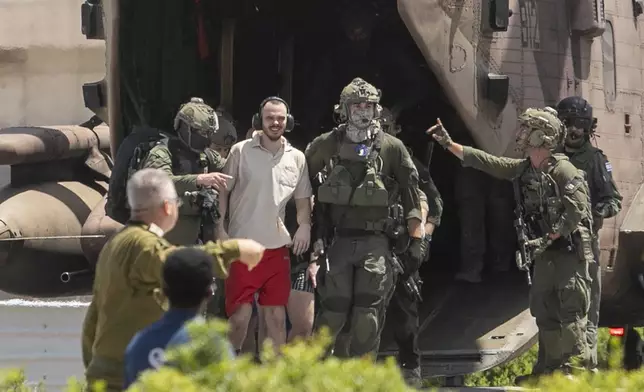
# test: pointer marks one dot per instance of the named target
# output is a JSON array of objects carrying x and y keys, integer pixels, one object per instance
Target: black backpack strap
[
  {"x": 374, "y": 154},
  {"x": 339, "y": 133}
]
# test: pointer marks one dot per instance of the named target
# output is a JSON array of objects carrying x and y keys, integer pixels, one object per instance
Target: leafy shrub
[
  {"x": 504, "y": 375},
  {"x": 300, "y": 367},
  {"x": 14, "y": 380}
]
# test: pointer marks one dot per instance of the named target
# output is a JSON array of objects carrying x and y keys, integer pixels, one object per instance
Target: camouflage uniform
[
  {"x": 556, "y": 201},
  {"x": 402, "y": 307},
  {"x": 184, "y": 159},
  {"x": 605, "y": 199},
  {"x": 121, "y": 306},
  {"x": 356, "y": 195}
]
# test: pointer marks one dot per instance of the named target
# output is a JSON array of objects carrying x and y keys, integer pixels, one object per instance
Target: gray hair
[{"x": 149, "y": 188}]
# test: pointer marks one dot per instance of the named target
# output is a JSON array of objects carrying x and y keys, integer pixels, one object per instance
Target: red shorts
[{"x": 271, "y": 279}]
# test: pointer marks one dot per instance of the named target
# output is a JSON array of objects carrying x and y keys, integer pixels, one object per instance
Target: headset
[{"x": 257, "y": 117}]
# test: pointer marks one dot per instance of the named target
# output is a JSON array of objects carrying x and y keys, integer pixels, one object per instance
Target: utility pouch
[
  {"x": 582, "y": 241},
  {"x": 334, "y": 190}
]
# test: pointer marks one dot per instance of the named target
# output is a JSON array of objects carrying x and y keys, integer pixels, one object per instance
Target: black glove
[
  {"x": 428, "y": 242},
  {"x": 416, "y": 253}
]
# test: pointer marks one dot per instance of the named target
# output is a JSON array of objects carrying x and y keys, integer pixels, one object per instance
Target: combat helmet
[
  {"x": 200, "y": 123},
  {"x": 388, "y": 122},
  {"x": 539, "y": 128},
  {"x": 355, "y": 92},
  {"x": 576, "y": 112}
]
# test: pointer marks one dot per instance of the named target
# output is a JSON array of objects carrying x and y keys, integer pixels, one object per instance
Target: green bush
[
  {"x": 504, "y": 375},
  {"x": 14, "y": 380},
  {"x": 301, "y": 367}
]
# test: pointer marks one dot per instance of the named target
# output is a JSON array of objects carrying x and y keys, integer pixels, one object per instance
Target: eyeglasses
[{"x": 577, "y": 122}]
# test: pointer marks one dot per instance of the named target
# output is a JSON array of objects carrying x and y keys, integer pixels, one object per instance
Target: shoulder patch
[
  {"x": 609, "y": 167},
  {"x": 572, "y": 185}
]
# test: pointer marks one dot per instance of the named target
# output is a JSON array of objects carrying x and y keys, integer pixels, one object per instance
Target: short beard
[{"x": 272, "y": 137}]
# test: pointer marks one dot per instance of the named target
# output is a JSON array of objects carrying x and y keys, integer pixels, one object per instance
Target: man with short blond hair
[{"x": 266, "y": 173}]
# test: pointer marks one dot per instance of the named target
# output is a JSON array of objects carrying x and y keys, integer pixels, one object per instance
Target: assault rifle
[
  {"x": 207, "y": 199},
  {"x": 411, "y": 285},
  {"x": 321, "y": 227},
  {"x": 523, "y": 255}
]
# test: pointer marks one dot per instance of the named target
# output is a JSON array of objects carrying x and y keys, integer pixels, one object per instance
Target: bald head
[{"x": 149, "y": 188}]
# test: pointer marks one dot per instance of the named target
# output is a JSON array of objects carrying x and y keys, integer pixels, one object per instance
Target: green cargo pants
[
  {"x": 355, "y": 289},
  {"x": 343, "y": 340},
  {"x": 559, "y": 301},
  {"x": 595, "y": 272}
]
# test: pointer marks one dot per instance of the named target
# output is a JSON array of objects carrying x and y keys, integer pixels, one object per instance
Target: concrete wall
[
  {"x": 44, "y": 339},
  {"x": 44, "y": 61}
]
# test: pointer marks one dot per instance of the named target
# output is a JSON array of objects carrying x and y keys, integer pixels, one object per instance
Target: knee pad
[{"x": 365, "y": 329}]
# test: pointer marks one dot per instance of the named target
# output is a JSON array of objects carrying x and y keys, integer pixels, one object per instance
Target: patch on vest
[
  {"x": 572, "y": 185},
  {"x": 362, "y": 150},
  {"x": 609, "y": 167}
]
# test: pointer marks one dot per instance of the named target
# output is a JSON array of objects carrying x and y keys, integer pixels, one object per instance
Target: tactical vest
[
  {"x": 355, "y": 181},
  {"x": 131, "y": 152},
  {"x": 544, "y": 208},
  {"x": 130, "y": 158}
]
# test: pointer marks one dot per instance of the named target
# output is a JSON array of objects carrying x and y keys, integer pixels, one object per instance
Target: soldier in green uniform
[
  {"x": 577, "y": 115},
  {"x": 129, "y": 270},
  {"x": 363, "y": 164},
  {"x": 190, "y": 163},
  {"x": 557, "y": 208},
  {"x": 403, "y": 307}
]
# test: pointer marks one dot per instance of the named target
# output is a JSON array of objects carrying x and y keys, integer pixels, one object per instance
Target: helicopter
[{"x": 476, "y": 64}]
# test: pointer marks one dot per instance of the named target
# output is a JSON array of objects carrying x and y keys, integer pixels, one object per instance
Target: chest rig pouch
[
  {"x": 542, "y": 201},
  {"x": 355, "y": 178}
]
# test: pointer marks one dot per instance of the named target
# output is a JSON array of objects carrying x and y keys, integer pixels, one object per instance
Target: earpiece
[
  {"x": 257, "y": 117},
  {"x": 536, "y": 138},
  {"x": 378, "y": 110}
]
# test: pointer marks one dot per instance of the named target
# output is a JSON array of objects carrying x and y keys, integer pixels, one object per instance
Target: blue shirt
[
  {"x": 182, "y": 337},
  {"x": 147, "y": 347}
]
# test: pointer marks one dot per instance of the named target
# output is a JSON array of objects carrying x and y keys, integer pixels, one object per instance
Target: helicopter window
[{"x": 608, "y": 59}]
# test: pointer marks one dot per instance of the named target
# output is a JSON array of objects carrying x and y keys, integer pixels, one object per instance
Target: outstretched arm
[{"x": 499, "y": 167}]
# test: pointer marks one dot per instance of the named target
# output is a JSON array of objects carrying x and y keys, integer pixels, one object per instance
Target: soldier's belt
[
  {"x": 357, "y": 232},
  {"x": 366, "y": 227}
]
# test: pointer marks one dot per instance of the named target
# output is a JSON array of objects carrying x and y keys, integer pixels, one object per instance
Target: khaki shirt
[
  {"x": 261, "y": 186},
  {"x": 128, "y": 270}
]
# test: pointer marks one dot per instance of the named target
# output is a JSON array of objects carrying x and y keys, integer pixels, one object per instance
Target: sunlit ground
[{"x": 504, "y": 375}]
